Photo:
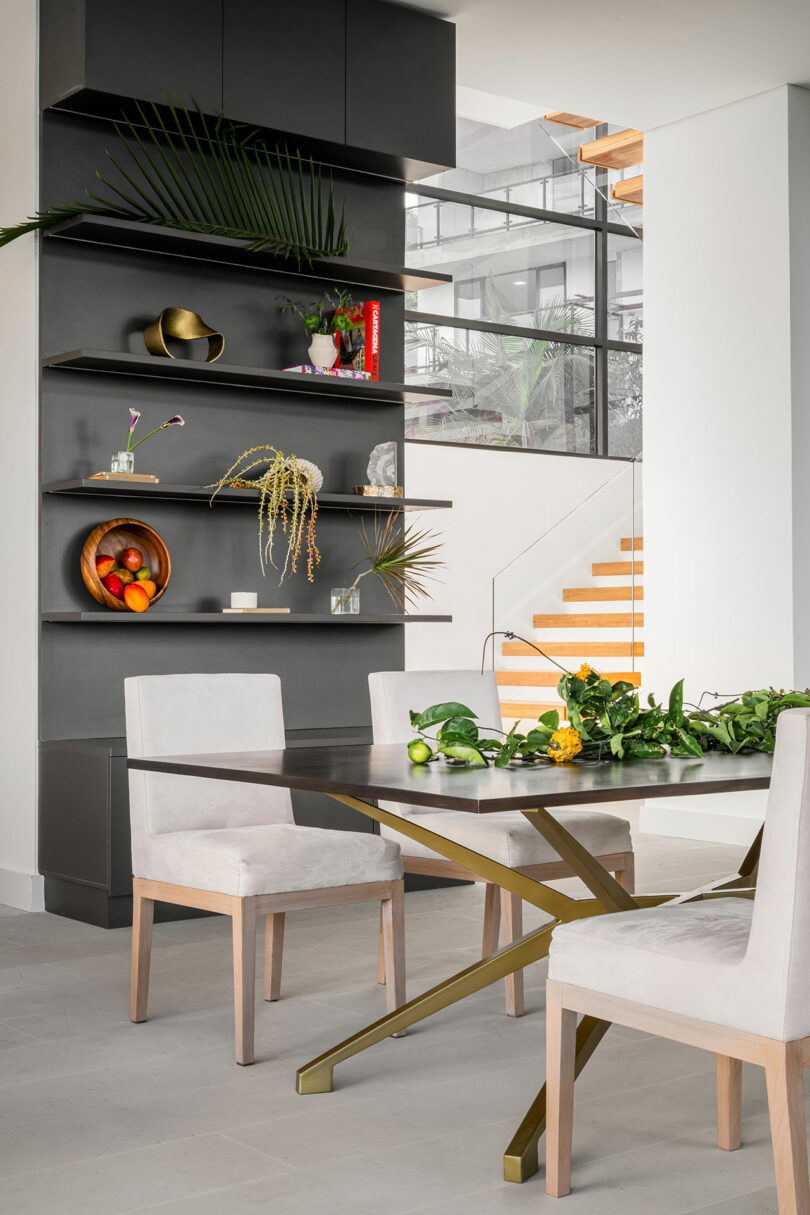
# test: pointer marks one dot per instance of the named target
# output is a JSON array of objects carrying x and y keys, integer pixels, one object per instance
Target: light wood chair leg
[
  {"x": 783, "y": 1073},
  {"x": 381, "y": 950},
  {"x": 512, "y": 921},
  {"x": 273, "y": 954},
  {"x": 492, "y": 920},
  {"x": 393, "y": 922},
  {"x": 143, "y": 912},
  {"x": 729, "y": 1103},
  {"x": 561, "y": 1037},
  {"x": 244, "y": 976},
  {"x": 626, "y": 877}
]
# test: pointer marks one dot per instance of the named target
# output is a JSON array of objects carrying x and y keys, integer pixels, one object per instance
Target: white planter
[{"x": 322, "y": 350}]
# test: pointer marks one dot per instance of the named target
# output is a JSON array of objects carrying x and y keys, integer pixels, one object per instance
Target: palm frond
[
  {"x": 183, "y": 171},
  {"x": 403, "y": 558}
]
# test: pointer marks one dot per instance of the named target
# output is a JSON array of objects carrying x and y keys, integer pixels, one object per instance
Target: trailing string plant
[
  {"x": 288, "y": 495},
  {"x": 330, "y": 314},
  {"x": 190, "y": 172},
  {"x": 606, "y": 722},
  {"x": 403, "y": 558}
]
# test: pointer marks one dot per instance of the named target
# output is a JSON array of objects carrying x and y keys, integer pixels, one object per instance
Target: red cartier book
[{"x": 359, "y": 346}]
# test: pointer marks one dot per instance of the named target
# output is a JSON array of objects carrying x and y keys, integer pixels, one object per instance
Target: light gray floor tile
[
  {"x": 116, "y": 1183},
  {"x": 98, "y": 1115}
]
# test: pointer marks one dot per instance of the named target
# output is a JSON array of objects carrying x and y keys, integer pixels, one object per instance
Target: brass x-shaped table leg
[{"x": 520, "y": 1160}]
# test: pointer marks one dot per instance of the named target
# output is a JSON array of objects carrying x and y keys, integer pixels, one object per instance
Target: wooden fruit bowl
[{"x": 112, "y": 538}]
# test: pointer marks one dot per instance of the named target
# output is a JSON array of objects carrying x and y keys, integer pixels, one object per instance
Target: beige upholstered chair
[
  {"x": 234, "y": 848},
  {"x": 730, "y": 975},
  {"x": 509, "y": 837}
]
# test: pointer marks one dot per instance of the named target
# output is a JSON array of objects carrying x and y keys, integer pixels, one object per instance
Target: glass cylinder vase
[
  {"x": 345, "y": 600},
  {"x": 123, "y": 462}
]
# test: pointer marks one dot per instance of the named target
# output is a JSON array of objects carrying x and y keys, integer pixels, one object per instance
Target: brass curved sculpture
[{"x": 184, "y": 325}]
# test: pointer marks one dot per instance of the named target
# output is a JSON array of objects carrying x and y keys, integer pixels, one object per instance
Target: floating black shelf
[
  {"x": 249, "y": 497},
  {"x": 374, "y": 392},
  {"x": 158, "y": 617},
  {"x": 151, "y": 238}
]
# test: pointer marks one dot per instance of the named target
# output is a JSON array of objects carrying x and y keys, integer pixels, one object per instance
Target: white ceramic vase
[{"x": 322, "y": 350}]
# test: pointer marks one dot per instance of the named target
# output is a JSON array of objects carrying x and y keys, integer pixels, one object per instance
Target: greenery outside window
[{"x": 539, "y": 335}]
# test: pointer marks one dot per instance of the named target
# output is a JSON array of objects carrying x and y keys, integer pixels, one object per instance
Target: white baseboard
[{"x": 23, "y": 890}]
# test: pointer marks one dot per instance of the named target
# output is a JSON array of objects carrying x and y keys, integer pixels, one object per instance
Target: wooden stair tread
[
  {"x": 632, "y": 542},
  {"x": 593, "y": 594},
  {"x": 531, "y": 709},
  {"x": 550, "y": 679},
  {"x": 618, "y": 151},
  {"x": 611, "y": 569},
  {"x": 597, "y": 620},
  {"x": 631, "y": 190},
  {"x": 571, "y": 120},
  {"x": 575, "y": 649}
]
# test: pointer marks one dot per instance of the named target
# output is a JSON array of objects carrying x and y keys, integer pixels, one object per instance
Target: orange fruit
[
  {"x": 149, "y": 586},
  {"x": 135, "y": 597}
]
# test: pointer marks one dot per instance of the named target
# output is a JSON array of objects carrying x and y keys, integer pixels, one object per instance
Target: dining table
[{"x": 357, "y": 776}]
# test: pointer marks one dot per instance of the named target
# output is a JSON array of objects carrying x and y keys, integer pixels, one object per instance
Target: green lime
[
  {"x": 143, "y": 573},
  {"x": 418, "y": 751}
]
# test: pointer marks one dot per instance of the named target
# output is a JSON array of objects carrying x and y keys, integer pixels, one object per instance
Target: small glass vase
[
  {"x": 345, "y": 600},
  {"x": 123, "y": 462}
]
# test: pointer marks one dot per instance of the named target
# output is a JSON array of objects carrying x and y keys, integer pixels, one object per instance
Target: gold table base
[{"x": 521, "y": 1157}]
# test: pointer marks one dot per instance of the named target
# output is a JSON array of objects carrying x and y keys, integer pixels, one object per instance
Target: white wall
[
  {"x": 718, "y": 402},
  {"x": 19, "y": 495},
  {"x": 502, "y": 501}
]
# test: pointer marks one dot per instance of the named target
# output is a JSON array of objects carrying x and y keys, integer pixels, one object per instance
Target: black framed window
[{"x": 539, "y": 335}]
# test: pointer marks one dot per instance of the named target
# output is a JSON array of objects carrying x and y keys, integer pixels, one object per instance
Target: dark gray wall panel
[{"x": 323, "y": 670}]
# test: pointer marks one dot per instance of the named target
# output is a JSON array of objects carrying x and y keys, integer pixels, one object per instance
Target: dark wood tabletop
[{"x": 385, "y": 772}]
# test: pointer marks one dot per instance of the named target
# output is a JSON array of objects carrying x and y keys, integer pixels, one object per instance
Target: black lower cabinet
[{"x": 84, "y": 840}]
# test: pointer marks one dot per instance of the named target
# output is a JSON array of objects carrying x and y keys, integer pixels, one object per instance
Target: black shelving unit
[
  {"x": 103, "y": 279},
  {"x": 115, "y": 362},
  {"x": 156, "y": 617},
  {"x": 247, "y": 497},
  {"x": 174, "y": 242}
]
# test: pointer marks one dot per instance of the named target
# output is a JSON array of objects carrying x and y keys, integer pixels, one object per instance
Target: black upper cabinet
[
  {"x": 96, "y": 53},
  {"x": 400, "y": 83},
  {"x": 284, "y": 66},
  {"x": 359, "y": 83}
]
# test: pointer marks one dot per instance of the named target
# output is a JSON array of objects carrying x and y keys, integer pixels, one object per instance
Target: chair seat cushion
[
  {"x": 512, "y": 840},
  {"x": 680, "y": 957},
  {"x": 271, "y": 859}
]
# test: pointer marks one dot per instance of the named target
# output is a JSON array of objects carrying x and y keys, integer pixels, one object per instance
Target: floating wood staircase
[
  {"x": 578, "y": 644},
  {"x": 618, "y": 151}
]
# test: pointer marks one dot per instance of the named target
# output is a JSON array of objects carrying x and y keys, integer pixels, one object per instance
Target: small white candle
[{"x": 244, "y": 599}]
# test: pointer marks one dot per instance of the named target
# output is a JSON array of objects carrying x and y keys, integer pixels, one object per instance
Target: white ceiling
[{"x": 637, "y": 62}]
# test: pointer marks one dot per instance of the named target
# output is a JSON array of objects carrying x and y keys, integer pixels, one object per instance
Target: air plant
[
  {"x": 401, "y": 557},
  {"x": 134, "y": 417},
  {"x": 287, "y": 496},
  {"x": 217, "y": 177}
]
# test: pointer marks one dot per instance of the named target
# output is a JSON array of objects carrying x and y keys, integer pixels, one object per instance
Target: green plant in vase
[
  {"x": 402, "y": 558},
  {"x": 323, "y": 321},
  {"x": 288, "y": 498}
]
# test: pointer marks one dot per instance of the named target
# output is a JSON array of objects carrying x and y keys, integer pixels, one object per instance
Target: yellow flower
[
  {"x": 564, "y": 745},
  {"x": 584, "y": 671}
]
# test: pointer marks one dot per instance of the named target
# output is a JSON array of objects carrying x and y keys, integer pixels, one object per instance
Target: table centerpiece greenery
[{"x": 605, "y": 722}]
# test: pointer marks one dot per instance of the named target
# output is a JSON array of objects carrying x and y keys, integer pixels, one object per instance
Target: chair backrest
[
  {"x": 394, "y": 693},
  {"x": 190, "y": 715},
  {"x": 779, "y": 944}
]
